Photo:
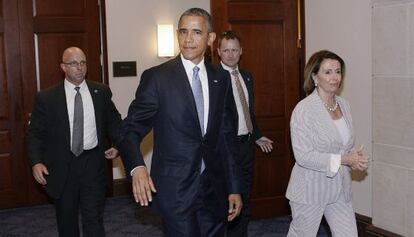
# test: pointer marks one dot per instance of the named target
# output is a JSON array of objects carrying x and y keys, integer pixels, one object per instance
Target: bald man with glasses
[{"x": 66, "y": 145}]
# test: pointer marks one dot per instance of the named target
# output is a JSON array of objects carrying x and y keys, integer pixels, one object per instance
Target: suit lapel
[
  {"x": 249, "y": 85},
  {"x": 213, "y": 90},
  {"x": 347, "y": 116},
  {"x": 97, "y": 105},
  {"x": 224, "y": 73},
  {"x": 62, "y": 111},
  {"x": 326, "y": 120}
]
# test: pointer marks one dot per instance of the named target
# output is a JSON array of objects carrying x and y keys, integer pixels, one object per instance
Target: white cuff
[
  {"x": 334, "y": 164},
  {"x": 141, "y": 166}
]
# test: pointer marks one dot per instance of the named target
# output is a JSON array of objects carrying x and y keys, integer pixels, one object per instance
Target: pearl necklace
[{"x": 331, "y": 109}]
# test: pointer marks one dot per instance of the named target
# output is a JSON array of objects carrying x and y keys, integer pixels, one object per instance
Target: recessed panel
[
  {"x": 1, "y": 9},
  {"x": 4, "y": 95},
  {"x": 5, "y": 141},
  {"x": 5, "y": 171},
  {"x": 50, "y": 49},
  {"x": 255, "y": 11},
  {"x": 60, "y": 7},
  {"x": 266, "y": 66}
]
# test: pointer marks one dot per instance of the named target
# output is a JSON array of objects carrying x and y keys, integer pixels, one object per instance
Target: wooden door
[
  {"x": 269, "y": 35},
  {"x": 12, "y": 165},
  {"x": 34, "y": 35}
]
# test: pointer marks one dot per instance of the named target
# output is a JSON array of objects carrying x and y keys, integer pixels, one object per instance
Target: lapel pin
[
  {"x": 95, "y": 91},
  {"x": 215, "y": 81}
]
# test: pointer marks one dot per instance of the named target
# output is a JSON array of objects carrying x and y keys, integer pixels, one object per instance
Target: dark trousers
[
  {"x": 238, "y": 227},
  {"x": 85, "y": 191},
  {"x": 202, "y": 222}
]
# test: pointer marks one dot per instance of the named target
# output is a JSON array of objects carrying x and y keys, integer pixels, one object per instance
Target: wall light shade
[{"x": 165, "y": 37}]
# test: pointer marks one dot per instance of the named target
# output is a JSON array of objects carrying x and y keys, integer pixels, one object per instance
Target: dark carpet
[{"x": 122, "y": 218}]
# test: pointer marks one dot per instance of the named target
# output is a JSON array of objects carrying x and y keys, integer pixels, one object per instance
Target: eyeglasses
[{"x": 76, "y": 64}]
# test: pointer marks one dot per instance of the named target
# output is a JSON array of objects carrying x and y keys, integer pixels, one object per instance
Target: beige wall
[
  {"x": 393, "y": 115},
  {"x": 131, "y": 32},
  {"x": 345, "y": 28}
]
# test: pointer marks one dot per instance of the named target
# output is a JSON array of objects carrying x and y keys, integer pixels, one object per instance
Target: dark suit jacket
[
  {"x": 48, "y": 138},
  {"x": 248, "y": 81},
  {"x": 164, "y": 102}
]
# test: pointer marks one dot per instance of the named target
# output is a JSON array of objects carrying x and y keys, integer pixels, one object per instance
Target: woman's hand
[{"x": 356, "y": 160}]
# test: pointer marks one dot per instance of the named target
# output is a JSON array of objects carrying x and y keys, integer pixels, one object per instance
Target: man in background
[
  {"x": 230, "y": 50},
  {"x": 66, "y": 140},
  {"x": 186, "y": 105}
]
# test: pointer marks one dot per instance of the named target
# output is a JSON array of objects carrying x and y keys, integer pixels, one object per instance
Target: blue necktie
[{"x": 199, "y": 100}]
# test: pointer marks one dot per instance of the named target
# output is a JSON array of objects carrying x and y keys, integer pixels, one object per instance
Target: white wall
[
  {"x": 393, "y": 112},
  {"x": 131, "y": 32},
  {"x": 344, "y": 27}
]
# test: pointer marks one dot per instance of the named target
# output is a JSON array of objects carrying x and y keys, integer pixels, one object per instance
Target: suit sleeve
[
  {"x": 139, "y": 121},
  {"x": 112, "y": 118},
  {"x": 37, "y": 131},
  {"x": 302, "y": 132}
]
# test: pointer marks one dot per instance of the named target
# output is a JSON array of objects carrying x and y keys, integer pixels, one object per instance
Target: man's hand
[
  {"x": 39, "y": 170},
  {"x": 265, "y": 144},
  {"x": 111, "y": 153},
  {"x": 235, "y": 206},
  {"x": 142, "y": 186}
]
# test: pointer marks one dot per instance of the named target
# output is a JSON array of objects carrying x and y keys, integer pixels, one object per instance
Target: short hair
[
  {"x": 198, "y": 12},
  {"x": 228, "y": 35},
  {"x": 313, "y": 65}
]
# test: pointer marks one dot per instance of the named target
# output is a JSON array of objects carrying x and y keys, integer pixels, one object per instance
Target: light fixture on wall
[{"x": 165, "y": 37}]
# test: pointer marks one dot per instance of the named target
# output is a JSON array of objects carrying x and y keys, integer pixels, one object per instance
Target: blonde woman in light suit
[{"x": 323, "y": 145}]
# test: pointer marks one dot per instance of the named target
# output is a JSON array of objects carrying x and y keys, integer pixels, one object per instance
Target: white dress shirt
[
  {"x": 242, "y": 130},
  {"x": 90, "y": 138},
  {"x": 202, "y": 73}
]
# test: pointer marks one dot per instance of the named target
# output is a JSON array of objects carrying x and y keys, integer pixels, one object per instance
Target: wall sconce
[{"x": 165, "y": 34}]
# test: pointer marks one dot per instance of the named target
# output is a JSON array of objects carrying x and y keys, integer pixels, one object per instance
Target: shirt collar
[
  {"x": 188, "y": 65},
  {"x": 228, "y": 68},
  {"x": 70, "y": 86}
]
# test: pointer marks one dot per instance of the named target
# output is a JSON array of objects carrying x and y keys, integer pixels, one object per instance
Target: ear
[
  {"x": 241, "y": 50},
  {"x": 314, "y": 78},
  {"x": 211, "y": 37},
  {"x": 63, "y": 67},
  {"x": 218, "y": 51}
]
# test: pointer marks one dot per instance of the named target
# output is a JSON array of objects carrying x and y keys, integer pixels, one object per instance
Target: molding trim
[{"x": 366, "y": 229}]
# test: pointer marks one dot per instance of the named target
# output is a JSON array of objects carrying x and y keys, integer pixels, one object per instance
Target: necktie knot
[
  {"x": 77, "y": 88},
  {"x": 235, "y": 73},
  {"x": 195, "y": 72}
]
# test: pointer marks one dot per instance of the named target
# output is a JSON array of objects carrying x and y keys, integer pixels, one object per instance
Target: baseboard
[
  {"x": 366, "y": 229},
  {"x": 122, "y": 187},
  {"x": 364, "y": 223}
]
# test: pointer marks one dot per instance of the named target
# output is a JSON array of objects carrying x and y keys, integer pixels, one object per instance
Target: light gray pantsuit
[
  {"x": 313, "y": 189},
  {"x": 306, "y": 219}
]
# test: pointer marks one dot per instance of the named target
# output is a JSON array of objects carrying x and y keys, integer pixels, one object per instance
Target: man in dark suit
[
  {"x": 230, "y": 50},
  {"x": 66, "y": 141},
  {"x": 192, "y": 170}
]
